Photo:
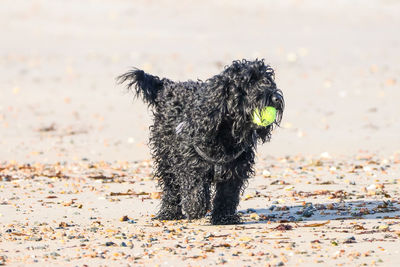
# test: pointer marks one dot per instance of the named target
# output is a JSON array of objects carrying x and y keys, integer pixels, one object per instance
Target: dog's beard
[
  {"x": 245, "y": 131},
  {"x": 240, "y": 119},
  {"x": 264, "y": 133}
]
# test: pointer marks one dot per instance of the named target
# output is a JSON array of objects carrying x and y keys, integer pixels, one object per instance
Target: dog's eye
[{"x": 266, "y": 81}]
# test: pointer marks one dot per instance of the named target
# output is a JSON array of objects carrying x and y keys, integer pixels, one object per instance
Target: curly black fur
[{"x": 203, "y": 136}]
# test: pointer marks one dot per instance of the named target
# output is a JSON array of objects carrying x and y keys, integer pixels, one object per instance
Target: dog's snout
[{"x": 276, "y": 100}]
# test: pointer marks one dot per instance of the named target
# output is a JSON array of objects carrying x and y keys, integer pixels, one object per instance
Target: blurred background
[{"x": 337, "y": 63}]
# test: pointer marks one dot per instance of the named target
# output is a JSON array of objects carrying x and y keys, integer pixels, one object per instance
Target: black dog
[{"x": 203, "y": 135}]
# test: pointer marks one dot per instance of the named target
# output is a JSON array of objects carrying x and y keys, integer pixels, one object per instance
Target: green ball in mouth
[{"x": 265, "y": 116}]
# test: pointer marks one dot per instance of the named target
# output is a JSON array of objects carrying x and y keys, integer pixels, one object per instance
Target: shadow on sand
[{"x": 344, "y": 210}]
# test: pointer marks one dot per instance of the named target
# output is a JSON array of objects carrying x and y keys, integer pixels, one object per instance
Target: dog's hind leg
[
  {"x": 170, "y": 204},
  {"x": 171, "y": 208},
  {"x": 195, "y": 193}
]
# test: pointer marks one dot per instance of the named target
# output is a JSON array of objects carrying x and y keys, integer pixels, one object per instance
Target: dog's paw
[
  {"x": 165, "y": 216},
  {"x": 226, "y": 220}
]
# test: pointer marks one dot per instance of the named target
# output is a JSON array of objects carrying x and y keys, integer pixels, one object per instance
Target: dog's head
[{"x": 244, "y": 87}]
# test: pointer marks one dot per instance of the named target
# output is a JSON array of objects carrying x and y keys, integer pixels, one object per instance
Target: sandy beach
[{"x": 76, "y": 181}]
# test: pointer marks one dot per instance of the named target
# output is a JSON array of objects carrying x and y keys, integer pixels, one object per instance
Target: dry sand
[
  {"x": 297, "y": 210},
  {"x": 337, "y": 63}
]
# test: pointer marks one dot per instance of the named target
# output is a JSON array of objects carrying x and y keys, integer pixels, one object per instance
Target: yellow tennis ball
[{"x": 265, "y": 116}]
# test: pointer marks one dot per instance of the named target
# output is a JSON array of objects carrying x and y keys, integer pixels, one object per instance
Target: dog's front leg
[{"x": 226, "y": 201}]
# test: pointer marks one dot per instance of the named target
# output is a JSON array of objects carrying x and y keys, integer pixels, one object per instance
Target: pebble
[
  {"x": 349, "y": 240},
  {"x": 54, "y": 254}
]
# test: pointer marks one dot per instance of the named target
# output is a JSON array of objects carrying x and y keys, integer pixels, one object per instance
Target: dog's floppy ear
[
  {"x": 145, "y": 85},
  {"x": 226, "y": 90},
  {"x": 207, "y": 120}
]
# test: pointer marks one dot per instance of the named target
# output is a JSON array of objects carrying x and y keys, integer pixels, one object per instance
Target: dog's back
[{"x": 161, "y": 93}]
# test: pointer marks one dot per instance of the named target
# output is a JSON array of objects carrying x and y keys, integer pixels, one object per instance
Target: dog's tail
[{"x": 142, "y": 84}]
